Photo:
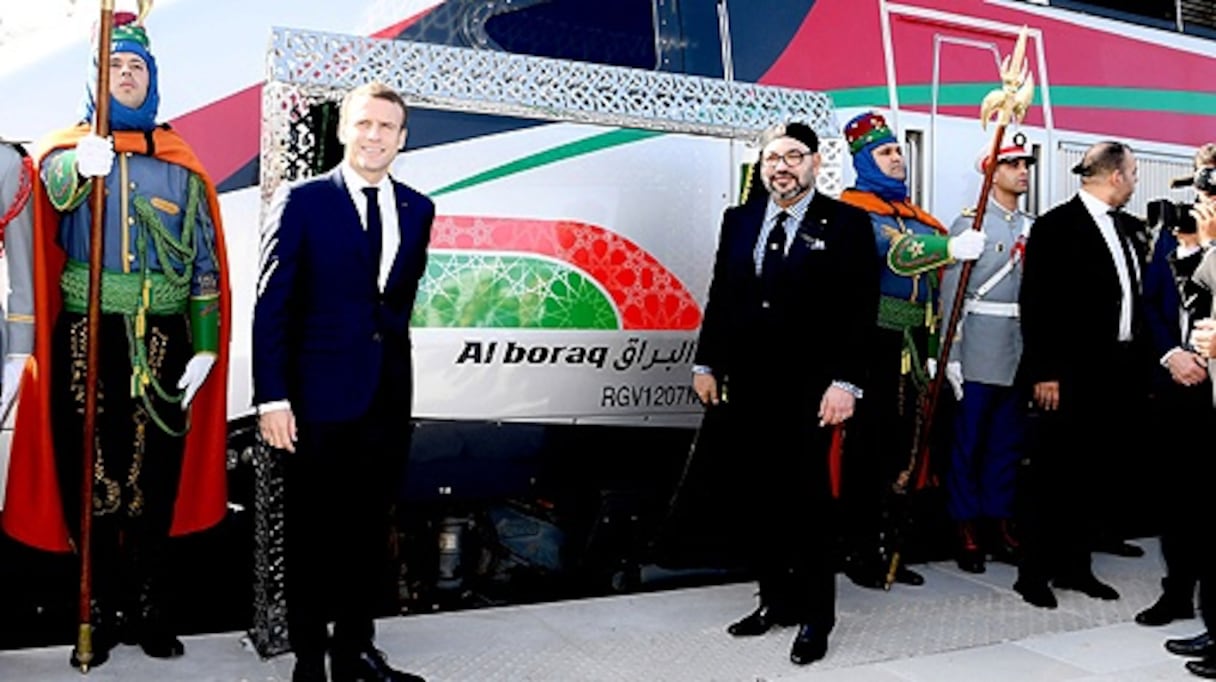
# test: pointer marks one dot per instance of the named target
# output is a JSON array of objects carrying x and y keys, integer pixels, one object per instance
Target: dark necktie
[
  {"x": 375, "y": 229},
  {"x": 1128, "y": 262},
  {"x": 774, "y": 255}
]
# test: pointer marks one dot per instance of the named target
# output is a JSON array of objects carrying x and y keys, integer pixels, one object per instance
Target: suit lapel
[
  {"x": 350, "y": 216},
  {"x": 751, "y": 221}
]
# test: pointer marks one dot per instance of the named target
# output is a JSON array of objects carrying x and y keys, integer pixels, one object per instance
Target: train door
[{"x": 940, "y": 65}]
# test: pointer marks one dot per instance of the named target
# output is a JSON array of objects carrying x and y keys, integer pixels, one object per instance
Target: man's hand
[
  {"x": 706, "y": 387},
  {"x": 1187, "y": 368},
  {"x": 836, "y": 406},
  {"x": 1204, "y": 213},
  {"x": 1047, "y": 395},
  {"x": 195, "y": 374},
  {"x": 967, "y": 245},
  {"x": 1203, "y": 337},
  {"x": 14, "y": 367},
  {"x": 278, "y": 429},
  {"x": 94, "y": 156}
]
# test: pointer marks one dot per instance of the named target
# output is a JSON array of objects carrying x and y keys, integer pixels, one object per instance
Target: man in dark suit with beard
[
  {"x": 1084, "y": 358},
  {"x": 342, "y": 257},
  {"x": 787, "y": 325}
]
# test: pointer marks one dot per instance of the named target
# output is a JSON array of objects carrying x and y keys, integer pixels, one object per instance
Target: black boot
[
  {"x": 970, "y": 556},
  {"x": 1003, "y": 542},
  {"x": 154, "y": 629}
]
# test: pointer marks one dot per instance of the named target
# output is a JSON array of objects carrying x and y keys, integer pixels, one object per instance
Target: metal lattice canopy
[{"x": 304, "y": 67}]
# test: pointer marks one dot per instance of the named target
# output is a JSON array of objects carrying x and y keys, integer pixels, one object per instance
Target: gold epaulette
[{"x": 969, "y": 212}]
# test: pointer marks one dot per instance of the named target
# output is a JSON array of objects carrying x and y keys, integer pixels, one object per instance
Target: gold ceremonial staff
[
  {"x": 83, "y": 653},
  {"x": 1008, "y": 103}
]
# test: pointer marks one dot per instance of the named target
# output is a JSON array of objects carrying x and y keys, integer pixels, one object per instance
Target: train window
[
  {"x": 618, "y": 33},
  {"x": 1033, "y": 199},
  {"x": 914, "y": 154}
]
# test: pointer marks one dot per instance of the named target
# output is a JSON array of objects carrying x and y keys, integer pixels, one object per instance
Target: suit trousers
[
  {"x": 339, "y": 488},
  {"x": 787, "y": 504},
  {"x": 1186, "y": 479},
  {"x": 1081, "y": 461}
]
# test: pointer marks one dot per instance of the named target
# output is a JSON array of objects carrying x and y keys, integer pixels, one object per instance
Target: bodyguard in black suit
[
  {"x": 342, "y": 255},
  {"x": 1082, "y": 322},
  {"x": 787, "y": 325}
]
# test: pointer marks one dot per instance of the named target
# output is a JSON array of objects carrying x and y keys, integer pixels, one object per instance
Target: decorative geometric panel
[{"x": 307, "y": 67}]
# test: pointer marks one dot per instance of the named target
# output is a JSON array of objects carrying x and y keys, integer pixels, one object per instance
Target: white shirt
[
  {"x": 387, "y": 199},
  {"x": 1106, "y": 225}
]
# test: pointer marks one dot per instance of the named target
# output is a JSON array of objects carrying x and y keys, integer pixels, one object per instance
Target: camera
[
  {"x": 1171, "y": 215},
  {"x": 1176, "y": 215},
  {"x": 1205, "y": 181}
]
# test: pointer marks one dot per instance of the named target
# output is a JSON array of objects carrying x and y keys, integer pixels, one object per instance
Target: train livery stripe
[{"x": 587, "y": 145}]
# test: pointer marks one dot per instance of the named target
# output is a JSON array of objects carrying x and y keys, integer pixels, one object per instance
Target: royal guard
[
  {"x": 983, "y": 362},
  {"x": 913, "y": 247},
  {"x": 158, "y": 459}
]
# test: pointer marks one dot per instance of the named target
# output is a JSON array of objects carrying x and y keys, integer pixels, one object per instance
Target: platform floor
[{"x": 956, "y": 628}]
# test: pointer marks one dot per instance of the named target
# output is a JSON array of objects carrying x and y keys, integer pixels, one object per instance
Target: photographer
[{"x": 1203, "y": 340}]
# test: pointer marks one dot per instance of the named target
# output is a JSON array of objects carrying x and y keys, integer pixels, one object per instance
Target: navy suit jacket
[
  {"x": 1163, "y": 301},
  {"x": 324, "y": 336},
  {"x": 828, "y": 302}
]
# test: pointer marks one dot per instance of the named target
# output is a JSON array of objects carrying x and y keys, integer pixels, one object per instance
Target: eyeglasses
[{"x": 791, "y": 158}]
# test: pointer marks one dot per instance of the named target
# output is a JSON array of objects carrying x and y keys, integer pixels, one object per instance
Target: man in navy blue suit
[
  {"x": 342, "y": 255},
  {"x": 784, "y": 341},
  {"x": 1183, "y": 399}
]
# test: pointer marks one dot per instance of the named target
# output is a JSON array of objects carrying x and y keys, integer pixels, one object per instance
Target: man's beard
[{"x": 797, "y": 190}]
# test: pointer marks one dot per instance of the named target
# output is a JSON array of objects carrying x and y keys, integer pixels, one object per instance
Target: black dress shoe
[
  {"x": 971, "y": 562},
  {"x": 1088, "y": 585},
  {"x": 757, "y": 622},
  {"x": 1165, "y": 611},
  {"x": 1203, "y": 668},
  {"x": 868, "y": 577},
  {"x": 907, "y": 576},
  {"x": 809, "y": 646},
  {"x": 1036, "y": 593},
  {"x": 1199, "y": 646},
  {"x": 161, "y": 645},
  {"x": 1119, "y": 548},
  {"x": 309, "y": 669},
  {"x": 366, "y": 666}
]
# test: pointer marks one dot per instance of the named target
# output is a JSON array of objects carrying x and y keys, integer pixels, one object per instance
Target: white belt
[{"x": 993, "y": 308}]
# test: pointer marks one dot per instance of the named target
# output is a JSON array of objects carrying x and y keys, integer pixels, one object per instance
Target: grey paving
[{"x": 957, "y": 627}]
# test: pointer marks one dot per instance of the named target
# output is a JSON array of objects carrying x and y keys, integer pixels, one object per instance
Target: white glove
[
  {"x": 94, "y": 156},
  {"x": 14, "y": 366},
  {"x": 196, "y": 373},
  {"x": 931, "y": 367},
  {"x": 954, "y": 374},
  {"x": 968, "y": 245}
]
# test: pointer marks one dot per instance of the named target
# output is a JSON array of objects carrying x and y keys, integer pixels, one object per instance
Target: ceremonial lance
[{"x": 83, "y": 652}]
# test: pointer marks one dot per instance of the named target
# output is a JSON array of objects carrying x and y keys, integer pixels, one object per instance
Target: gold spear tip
[{"x": 145, "y": 6}]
